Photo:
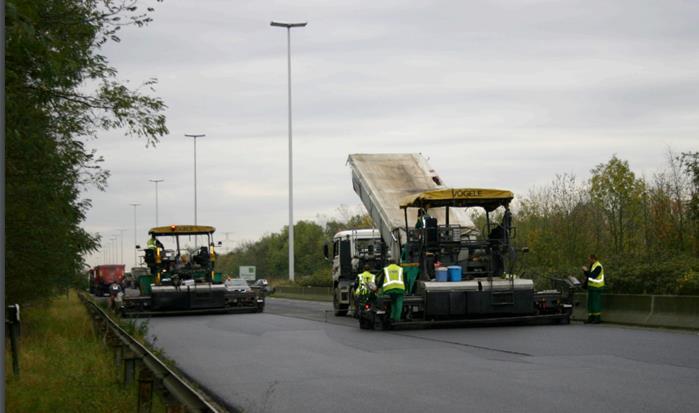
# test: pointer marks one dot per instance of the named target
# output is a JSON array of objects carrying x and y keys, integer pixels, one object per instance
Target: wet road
[{"x": 298, "y": 357}]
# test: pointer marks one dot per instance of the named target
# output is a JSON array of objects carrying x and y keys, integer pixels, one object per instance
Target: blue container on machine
[
  {"x": 454, "y": 272},
  {"x": 441, "y": 274}
]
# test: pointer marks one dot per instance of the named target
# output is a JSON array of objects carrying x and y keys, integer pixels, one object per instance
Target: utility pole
[
  {"x": 288, "y": 27},
  {"x": 156, "y": 181},
  {"x": 135, "y": 234}
]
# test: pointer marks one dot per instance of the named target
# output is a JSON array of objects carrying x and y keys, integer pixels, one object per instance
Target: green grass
[
  {"x": 307, "y": 297},
  {"x": 64, "y": 367}
]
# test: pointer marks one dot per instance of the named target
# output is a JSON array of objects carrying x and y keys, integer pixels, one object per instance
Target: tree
[
  {"x": 616, "y": 191},
  {"x": 690, "y": 164},
  {"x": 60, "y": 92}
]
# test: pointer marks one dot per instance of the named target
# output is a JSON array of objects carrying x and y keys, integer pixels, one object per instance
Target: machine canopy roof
[
  {"x": 489, "y": 199},
  {"x": 182, "y": 230}
]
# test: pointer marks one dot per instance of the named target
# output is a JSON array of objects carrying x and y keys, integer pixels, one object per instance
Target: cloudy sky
[{"x": 495, "y": 93}]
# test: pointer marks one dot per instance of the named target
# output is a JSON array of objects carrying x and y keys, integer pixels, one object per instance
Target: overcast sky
[{"x": 495, "y": 93}]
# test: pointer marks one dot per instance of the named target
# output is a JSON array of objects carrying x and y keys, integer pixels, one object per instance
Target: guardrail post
[
  {"x": 12, "y": 326},
  {"x": 129, "y": 367},
  {"x": 118, "y": 355},
  {"x": 172, "y": 405},
  {"x": 145, "y": 390}
]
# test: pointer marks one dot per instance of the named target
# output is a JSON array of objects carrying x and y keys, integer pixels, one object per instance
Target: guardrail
[
  {"x": 308, "y": 291},
  {"x": 675, "y": 311},
  {"x": 152, "y": 373}
]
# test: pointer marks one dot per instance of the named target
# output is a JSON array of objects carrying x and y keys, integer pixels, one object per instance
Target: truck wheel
[
  {"x": 339, "y": 311},
  {"x": 380, "y": 323},
  {"x": 364, "y": 324}
]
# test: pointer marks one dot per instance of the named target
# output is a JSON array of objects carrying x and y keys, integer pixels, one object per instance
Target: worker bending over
[
  {"x": 393, "y": 285},
  {"x": 361, "y": 287}
]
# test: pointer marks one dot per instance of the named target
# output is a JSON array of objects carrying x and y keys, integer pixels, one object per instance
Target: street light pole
[
  {"x": 156, "y": 181},
  {"x": 121, "y": 240},
  {"x": 288, "y": 27},
  {"x": 114, "y": 249},
  {"x": 135, "y": 234},
  {"x": 195, "y": 136}
]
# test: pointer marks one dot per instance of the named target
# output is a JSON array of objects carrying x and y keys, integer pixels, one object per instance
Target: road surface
[{"x": 297, "y": 357}]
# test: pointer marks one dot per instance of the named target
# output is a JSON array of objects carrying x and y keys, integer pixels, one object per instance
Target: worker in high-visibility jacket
[
  {"x": 361, "y": 286},
  {"x": 595, "y": 285},
  {"x": 392, "y": 284}
]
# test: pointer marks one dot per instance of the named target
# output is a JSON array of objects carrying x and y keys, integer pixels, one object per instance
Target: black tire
[
  {"x": 380, "y": 322},
  {"x": 364, "y": 324},
  {"x": 338, "y": 311}
]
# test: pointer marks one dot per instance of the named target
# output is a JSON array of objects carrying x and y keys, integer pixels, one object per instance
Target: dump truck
[
  {"x": 453, "y": 271},
  {"x": 351, "y": 251},
  {"x": 181, "y": 277},
  {"x": 101, "y": 277}
]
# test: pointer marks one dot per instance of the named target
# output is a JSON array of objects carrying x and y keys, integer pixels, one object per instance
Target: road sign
[{"x": 247, "y": 272}]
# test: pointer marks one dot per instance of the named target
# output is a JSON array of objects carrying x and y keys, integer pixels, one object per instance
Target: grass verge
[
  {"x": 64, "y": 367},
  {"x": 307, "y": 297}
]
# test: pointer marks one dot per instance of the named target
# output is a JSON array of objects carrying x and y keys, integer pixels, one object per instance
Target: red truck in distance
[{"x": 102, "y": 276}]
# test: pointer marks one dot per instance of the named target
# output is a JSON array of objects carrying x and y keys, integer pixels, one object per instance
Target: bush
[
  {"x": 319, "y": 279},
  {"x": 688, "y": 283}
]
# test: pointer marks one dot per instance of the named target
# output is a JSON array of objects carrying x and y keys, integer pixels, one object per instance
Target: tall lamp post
[
  {"x": 156, "y": 181},
  {"x": 121, "y": 241},
  {"x": 195, "y": 136},
  {"x": 288, "y": 27},
  {"x": 114, "y": 249},
  {"x": 135, "y": 234}
]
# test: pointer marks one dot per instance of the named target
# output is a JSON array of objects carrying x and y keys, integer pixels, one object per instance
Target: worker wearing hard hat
[
  {"x": 393, "y": 285},
  {"x": 595, "y": 285}
]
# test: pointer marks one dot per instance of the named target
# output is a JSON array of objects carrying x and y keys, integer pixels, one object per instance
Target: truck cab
[{"x": 351, "y": 250}]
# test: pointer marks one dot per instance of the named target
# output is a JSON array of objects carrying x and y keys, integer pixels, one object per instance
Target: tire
[
  {"x": 338, "y": 311},
  {"x": 380, "y": 323},
  {"x": 364, "y": 324}
]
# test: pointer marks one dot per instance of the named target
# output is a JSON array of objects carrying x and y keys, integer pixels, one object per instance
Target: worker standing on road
[
  {"x": 394, "y": 286},
  {"x": 595, "y": 285}
]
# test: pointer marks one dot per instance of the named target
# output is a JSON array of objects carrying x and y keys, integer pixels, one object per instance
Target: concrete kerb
[
  {"x": 675, "y": 311},
  {"x": 646, "y": 310}
]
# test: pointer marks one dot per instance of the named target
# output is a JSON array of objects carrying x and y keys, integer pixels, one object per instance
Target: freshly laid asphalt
[{"x": 298, "y": 357}]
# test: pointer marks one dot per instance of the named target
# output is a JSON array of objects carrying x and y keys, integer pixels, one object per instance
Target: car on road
[
  {"x": 237, "y": 284},
  {"x": 264, "y": 286}
]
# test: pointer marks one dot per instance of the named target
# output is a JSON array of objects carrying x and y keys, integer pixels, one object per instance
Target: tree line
[
  {"x": 644, "y": 229},
  {"x": 61, "y": 92},
  {"x": 270, "y": 253}
]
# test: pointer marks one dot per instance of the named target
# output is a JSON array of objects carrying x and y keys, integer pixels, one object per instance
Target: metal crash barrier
[{"x": 135, "y": 359}]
